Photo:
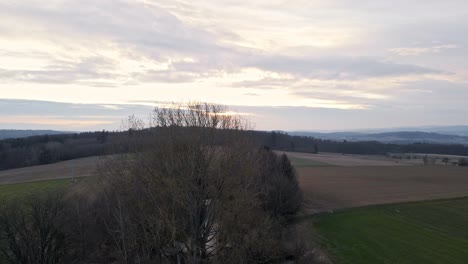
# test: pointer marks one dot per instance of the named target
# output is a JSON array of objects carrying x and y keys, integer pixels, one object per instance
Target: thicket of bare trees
[
  {"x": 193, "y": 187},
  {"x": 32, "y": 230}
]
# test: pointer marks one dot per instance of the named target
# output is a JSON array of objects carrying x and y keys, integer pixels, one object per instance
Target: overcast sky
[{"x": 290, "y": 65}]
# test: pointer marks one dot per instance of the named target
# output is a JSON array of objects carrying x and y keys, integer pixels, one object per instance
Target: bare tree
[{"x": 194, "y": 188}]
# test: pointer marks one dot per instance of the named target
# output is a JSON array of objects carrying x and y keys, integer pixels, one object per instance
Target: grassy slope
[
  {"x": 426, "y": 232},
  {"x": 21, "y": 189}
]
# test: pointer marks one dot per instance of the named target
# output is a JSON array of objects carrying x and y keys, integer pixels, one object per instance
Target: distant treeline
[
  {"x": 14, "y": 133},
  {"x": 283, "y": 141},
  {"x": 39, "y": 150}
]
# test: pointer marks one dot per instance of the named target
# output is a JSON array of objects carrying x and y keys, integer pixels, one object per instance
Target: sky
[{"x": 284, "y": 65}]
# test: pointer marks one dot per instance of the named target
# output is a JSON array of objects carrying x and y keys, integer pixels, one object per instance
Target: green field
[
  {"x": 301, "y": 162},
  {"x": 21, "y": 189},
  {"x": 425, "y": 232}
]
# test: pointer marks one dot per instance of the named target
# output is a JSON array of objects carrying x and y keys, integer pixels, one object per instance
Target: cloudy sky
[{"x": 291, "y": 65}]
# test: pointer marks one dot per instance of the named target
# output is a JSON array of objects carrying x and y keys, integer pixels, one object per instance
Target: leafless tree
[{"x": 194, "y": 188}]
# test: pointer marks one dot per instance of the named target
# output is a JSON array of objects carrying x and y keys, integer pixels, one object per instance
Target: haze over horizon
[{"x": 285, "y": 65}]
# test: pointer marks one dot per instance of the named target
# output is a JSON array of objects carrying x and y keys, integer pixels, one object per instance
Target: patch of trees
[
  {"x": 176, "y": 196},
  {"x": 40, "y": 150}
]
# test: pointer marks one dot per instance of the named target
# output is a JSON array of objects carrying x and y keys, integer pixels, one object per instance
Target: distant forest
[
  {"x": 14, "y": 133},
  {"x": 39, "y": 150}
]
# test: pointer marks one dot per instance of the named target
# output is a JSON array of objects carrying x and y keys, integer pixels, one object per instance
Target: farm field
[
  {"x": 334, "y": 159},
  {"x": 423, "y": 232},
  {"x": 304, "y": 162},
  {"x": 331, "y": 188},
  {"x": 335, "y": 181},
  {"x": 66, "y": 169},
  {"x": 327, "y": 186},
  {"x": 379, "y": 230}
]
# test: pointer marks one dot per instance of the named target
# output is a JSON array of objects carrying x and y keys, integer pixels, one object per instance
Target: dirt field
[
  {"x": 78, "y": 167},
  {"x": 349, "y": 160},
  {"x": 330, "y": 188}
]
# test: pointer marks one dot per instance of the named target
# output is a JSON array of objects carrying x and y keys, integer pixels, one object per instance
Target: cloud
[
  {"x": 87, "y": 71},
  {"x": 361, "y": 55},
  {"x": 18, "y": 107},
  {"x": 31, "y": 114},
  {"x": 340, "y": 67},
  {"x": 416, "y": 51},
  {"x": 162, "y": 43},
  {"x": 437, "y": 95},
  {"x": 125, "y": 22},
  {"x": 85, "y": 32}
]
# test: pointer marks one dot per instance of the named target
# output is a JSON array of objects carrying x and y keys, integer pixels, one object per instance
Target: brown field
[
  {"x": 67, "y": 169},
  {"x": 357, "y": 180},
  {"x": 349, "y": 160},
  {"x": 330, "y": 188}
]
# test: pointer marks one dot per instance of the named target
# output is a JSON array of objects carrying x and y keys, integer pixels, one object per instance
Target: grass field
[
  {"x": 423, "y": 232},
  {"x": 21, "y": 189}
]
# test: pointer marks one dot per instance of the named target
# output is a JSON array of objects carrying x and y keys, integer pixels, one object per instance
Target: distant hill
[
  {"x": 11, "y": 133},
  {"x": 445, "y": 130},
  {"x": 400, "y": 137},
  {"x": 449, "y": 130}
]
